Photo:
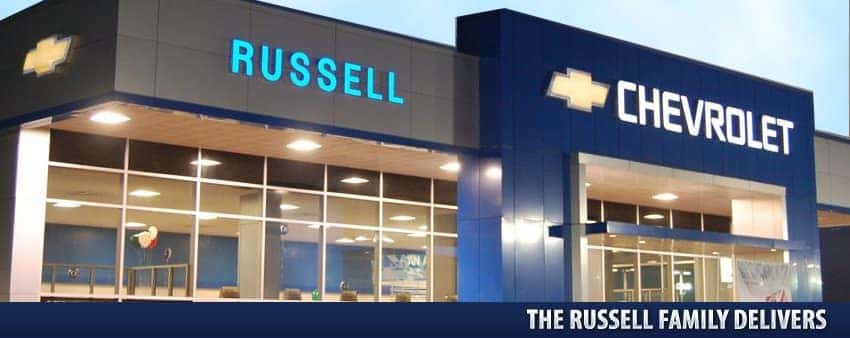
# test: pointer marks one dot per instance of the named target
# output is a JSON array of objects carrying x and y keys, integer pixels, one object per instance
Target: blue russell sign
[{"x": 357, "y": 80}]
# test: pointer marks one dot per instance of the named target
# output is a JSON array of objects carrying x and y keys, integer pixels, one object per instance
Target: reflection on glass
[
  {"x": 408, "y": 217},
  {"x": 228, "y": 199},
  {"x": 84, "y": 185},
  {"x": 655, "y": 278},
  {"x": 620, "y": 212},
  {"x": 718, "y": 280},
  {"x": 86, "y": 149},
  {"x": 160, "y": 193},
  {"x": 620, "y": 281},
  {"x": 351, "y": 270},
  {"x": 162, "y": 158},
  {"x": 445, "y": 269},
  {"x": 445, "y": 220},
  {"x": 296, "y": 174},
  {"x": 687, "y": 220},
  {"x": 291, "y": 205},
  {"x": 445, "y": 192},
  {"x": 227, "y": 166},
  {"x": 79, "y": 250},
  {"x": 654, "y": 216},
  {"x": 352, "y": 211},
  {"x": 157, "y": 248},
  {"x": 594, "y": 211},
  {"x": 229, "y": 258},
  {"x": 292, "y": 261},
  {"x": 716, "y": 223},
  {"x": 353, "y": 181},
  {"x": 687, "y": 279},
  {"x": 595, "y": 274},
  {"x": 407, "y": 188},
  {"x": 405, "y": 267}
]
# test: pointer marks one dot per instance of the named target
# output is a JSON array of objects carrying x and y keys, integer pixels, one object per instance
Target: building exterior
[{"x": 212, "y": 150}]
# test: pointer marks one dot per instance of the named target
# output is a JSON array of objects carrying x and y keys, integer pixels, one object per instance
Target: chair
[
  {"x": 228, "y": 292},
  {"x": 292, "y": 294}
]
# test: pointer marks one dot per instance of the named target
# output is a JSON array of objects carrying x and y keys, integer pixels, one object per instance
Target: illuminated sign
[
  {"x": 47, "y": 55},
  {"x": 675, "y": 113},
  {"x": 301, "y": 70}
]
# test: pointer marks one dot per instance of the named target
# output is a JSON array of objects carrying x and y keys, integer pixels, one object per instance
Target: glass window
[
  {"x": 716, "y": 223},
  {"x": 351, "y": 265},
  {"x": 84, "y": 185},
  {"x": 687, "y": 220},
  {"x": 352, "y": 211},
  {"x": 655, "y": 278},
  {"x": 160, "y": 193},
  {"x": 445, "y": 269},
  {"x": 229, "y": 258},
  {"x": 292, "y": 261},
  {"x": 407, "y": 188},
  {"x": 409, "y": 217},
  {"x": 687, "y": 279},
  {"x": 353, "y": 181},
  {"x": 86, "y": 149},
  {"x": 594, "y": 211},
  {"x": 620, "y": 212},
  {"x": 404, "y": 273},
  {"x": 157, "y": 248},
  {"x": 654, "y": 216},
  {"x": 595, "y": 272},
  {"x": 284, "y": 204},
  {"x": 445, "y": 192},
  {"x": 79, "y": 250},
  {"x": 445, "y": 220},
  {"x": 296, "y": 174},
  {"x": 162, "y": 158},
  {"x": 227, "y": 199},
  {"x": 620, "y": 282},
  {"x": 718, "y": 281},
  {"x": 226, "y": 166}
]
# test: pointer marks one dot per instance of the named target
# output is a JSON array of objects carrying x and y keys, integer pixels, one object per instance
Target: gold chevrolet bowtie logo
[
  {"x": 48, "y": 54},
  {"x": 578, "y": 89}
]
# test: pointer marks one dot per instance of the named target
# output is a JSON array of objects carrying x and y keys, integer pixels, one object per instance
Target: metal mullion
[
  {"x": 353, "y": 196},
  {"x": 163, "y": 176},
  {"x": 119, "y": 280},
  {"x": 302, "y": 191},
  {"x": 406, "y": 202},
  {"x": 85, "y": 203},
  {"x": 430, "y": 250},
  {"x": 196, "y": 229},
  {"x": 323, "y": 241},
  {"x": 86, "y": 167},
  {"x": 161, "y": 210},
  {"x": 263, "y": 230},
  {"x": 445, "y": 206},
  {"x": 380, "y": 249},
  {"x": 230, "y": 183}
]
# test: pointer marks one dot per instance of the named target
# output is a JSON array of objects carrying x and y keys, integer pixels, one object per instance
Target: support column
[
  {"x": 577, "y": 259},
  {"x": 24, "y": 154}
]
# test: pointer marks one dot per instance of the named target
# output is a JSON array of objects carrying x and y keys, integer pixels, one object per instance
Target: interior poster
[{"x": 762, "y": 282}]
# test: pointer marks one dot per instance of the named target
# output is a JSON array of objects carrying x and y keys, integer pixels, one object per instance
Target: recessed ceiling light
[
  {"x": 387, "y": 239},
  {"x": 493, "y": 172},
  {"x": 416, "y": 234},
  {"x": 361, "y": 238},
  {"x": 143, "y": 193},
  {"x": 641, "y": 242},
  {"x": 345, "y": 240},
  {"x": 304, "y": 145},
  {"x": 354, "y": 180},
  {"x": 715, "y": 253},
  {"x": 654, "y": 216},
  {"x": 451, "y": 167},
  {"x": 402, "y": 218},
  {"x": 109, "y": 117},
  {"x": 205, "y": 162},
  {"x": 135, "y": 225},
  {"x": 287, "y": 207},
  {"x": 206, "y": 216},
  {"x": 586, "y": 184},
  {"x": 612, "y": 236},
  {"x": 422, "y": 227},
  {"x": 66, "y": 205},
  {"x": 772, "y": 249},
  {"x": 667, "y": 196}
]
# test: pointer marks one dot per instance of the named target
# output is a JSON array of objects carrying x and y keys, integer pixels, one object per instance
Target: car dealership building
[{"x": 220, "y": 150}]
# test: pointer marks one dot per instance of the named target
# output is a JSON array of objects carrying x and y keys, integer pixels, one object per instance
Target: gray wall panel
[
  {"x": 137, "y": 60},
  {"x": 206, "y": 25},
  {"x": 189, "y": 75},
  {"x": 832, "y": 166},
  {"x": 138, "y": 18}
]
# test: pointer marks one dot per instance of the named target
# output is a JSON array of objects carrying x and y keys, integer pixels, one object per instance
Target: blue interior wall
[{"x": 534, "y": 136}]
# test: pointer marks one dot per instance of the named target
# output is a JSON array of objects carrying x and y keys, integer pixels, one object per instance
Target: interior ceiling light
[
  {"x": 206, "y": 216},
  {"x": 612, "y": 236},
  {"x": 586, "y": 184},
  {"x": 667, "y": 196},
  {"x": 451, "y": 167},
  {"x": 422, "y": 227},
  {"x": 654, "y": 216},
  {"x": 402, "y": 218},
  {"x": 66, "y": 205},
  {"x": 303, "y": 145},
  {"x": 109, "y": 117},
  {"x": 416, "y": 234},
  {"x": 143, "y": 193},
  {"x": 715, "y": 253},
  {"x": 287, "y": 207},
  {"x": 205, "y": 162},
  {"x": 361, "y": 238},
  {"x": 345, "y": 240},
  {"x": 641, "y": 242},
  {"x": 354, "y": 180},
  {"x": 387, "y": 239},
  {"x": 135, "y": 225}
]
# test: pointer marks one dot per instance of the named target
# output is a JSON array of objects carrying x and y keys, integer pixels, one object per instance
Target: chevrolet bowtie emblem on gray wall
[
  {"x": 578, "y": 89},
  {"x": 47, "y": 54}
]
